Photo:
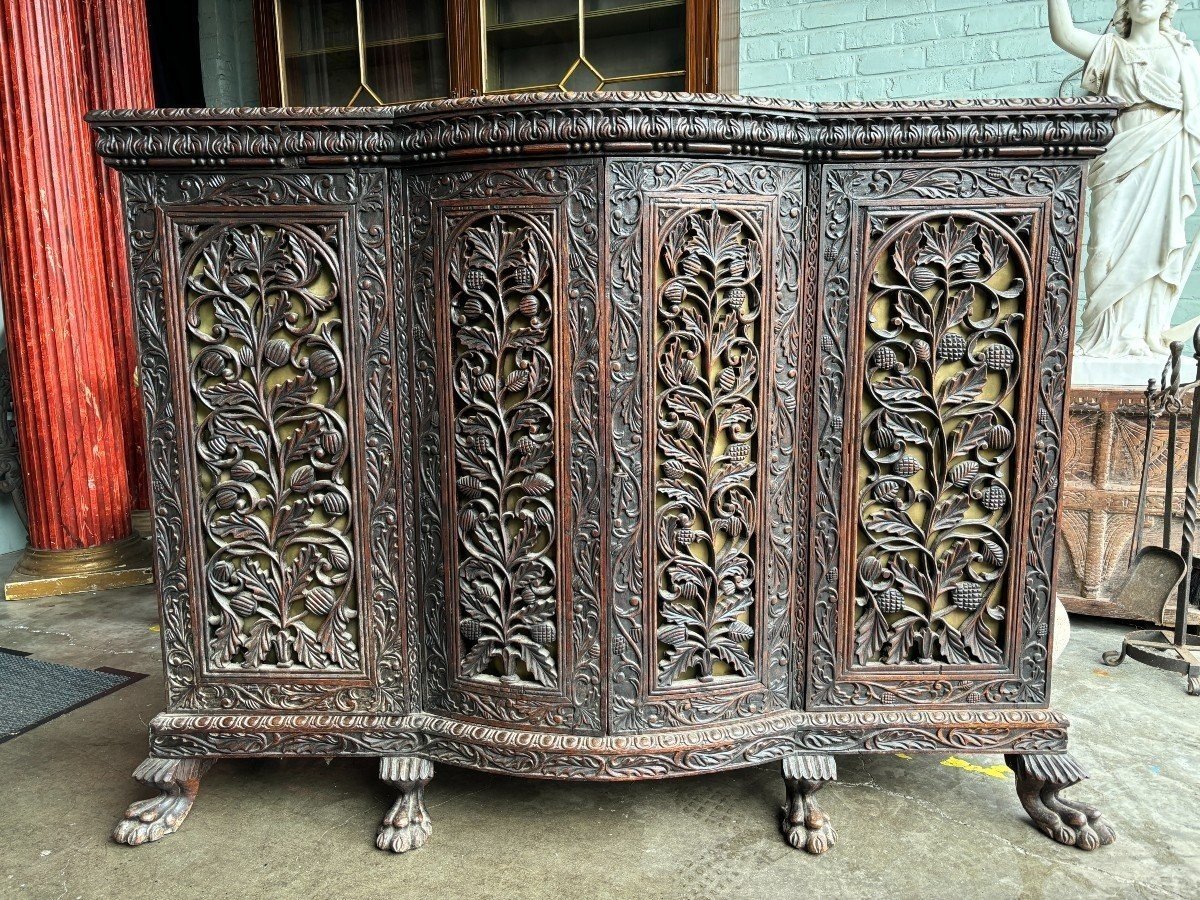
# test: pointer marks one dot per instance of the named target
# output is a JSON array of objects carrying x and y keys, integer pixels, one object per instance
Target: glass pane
[
  {"x": 405, "y": 50},
  {"x": 530, "y": 43},
  {"x": 415, "y": 70},
  {"x": 636, "y": 39},
  {"x": 320, "y": 51},
  {"x": 627, "y": 44}
]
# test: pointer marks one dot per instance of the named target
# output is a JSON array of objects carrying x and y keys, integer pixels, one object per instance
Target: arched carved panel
[
  {"x": 933, "y": 525},
  {"x": 708, "y": 359},
  {"x": 940, "y": 386},
  {"x": 505, "y": 375}
]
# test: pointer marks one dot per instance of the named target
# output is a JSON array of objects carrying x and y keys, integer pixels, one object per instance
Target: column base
[
  {"x": 52, "y": 573},
  {"x": 142, "y": 521}
]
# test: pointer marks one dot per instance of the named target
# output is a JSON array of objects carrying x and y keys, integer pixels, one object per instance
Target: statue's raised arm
[{"x": 1066, "y": 34}]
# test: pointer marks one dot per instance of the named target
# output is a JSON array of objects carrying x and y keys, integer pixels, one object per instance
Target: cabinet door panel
[
  {"x": 263, "y": 317},
  {"x": 505, "y": 332},
  {"x": 940, "y": 389},
  {"x": 704, "y": 274}
]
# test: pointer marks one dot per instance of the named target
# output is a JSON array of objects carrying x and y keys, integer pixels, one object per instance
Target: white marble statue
[{"x": 1141, "y": 190}]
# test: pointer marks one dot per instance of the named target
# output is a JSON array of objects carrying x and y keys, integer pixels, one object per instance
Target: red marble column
[
  {"x": 56, "y": 304},
  {"x": 118, "y": 59}
]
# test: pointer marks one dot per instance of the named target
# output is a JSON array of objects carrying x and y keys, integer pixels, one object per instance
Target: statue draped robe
[{"x": 1141, "y": 194}]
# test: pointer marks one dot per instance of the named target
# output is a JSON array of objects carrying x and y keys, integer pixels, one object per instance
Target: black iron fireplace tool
[{"x": 1157, "y": 572}]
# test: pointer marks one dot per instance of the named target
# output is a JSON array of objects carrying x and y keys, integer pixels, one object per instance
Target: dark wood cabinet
[{"x": 607, "y": 437}]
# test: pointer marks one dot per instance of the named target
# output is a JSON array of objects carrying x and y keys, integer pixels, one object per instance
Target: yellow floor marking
[
  {"x": 997, "y": 771},
  {"x": 155, "y": 628},
  {"x": 904, "y": 756}
]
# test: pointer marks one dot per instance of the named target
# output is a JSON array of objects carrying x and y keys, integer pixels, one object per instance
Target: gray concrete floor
[{"x": 928, "y": 827}]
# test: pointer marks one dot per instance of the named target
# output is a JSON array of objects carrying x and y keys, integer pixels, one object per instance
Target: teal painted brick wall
[{"x": 900, "y": 49}]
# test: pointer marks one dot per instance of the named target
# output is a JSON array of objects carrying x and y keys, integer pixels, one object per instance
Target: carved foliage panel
[
  {"x": 507, "y": 409},
  {"x": 277, "y": 572},
  {"x": 501, "y": 279},
  {"x": 946, "y": 352},
  {"x": 264, "y": 325},
  {"x": 704, "y": 437}
]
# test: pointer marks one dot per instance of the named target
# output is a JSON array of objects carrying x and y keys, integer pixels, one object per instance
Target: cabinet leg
[
  {"x": 803, "y": 823},
  {"x": 1040, "y": 778},
  {"x": 177, "y": 781},
  {"x": 406, "y": 825}
]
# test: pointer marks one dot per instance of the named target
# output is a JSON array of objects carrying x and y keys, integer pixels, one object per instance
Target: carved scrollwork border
[
  {"x": 282, "y": 198},
  {"x": 632, "y": 189},
  {"x": 429, "y": 197},
  {"x": 848, "y": 193},
  {"x": 617, "y": 758}
]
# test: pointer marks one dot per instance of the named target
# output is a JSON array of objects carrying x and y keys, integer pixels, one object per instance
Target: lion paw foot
[
  {"x": 814, "y": 834},
  {"x": 149, "y": 820},
  {"x": 177, "y": 780}
]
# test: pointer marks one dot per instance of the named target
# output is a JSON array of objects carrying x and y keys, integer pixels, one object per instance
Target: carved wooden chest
[
  {"x": 1104, "y": 445},
  {"x": 607, "y": 436}
]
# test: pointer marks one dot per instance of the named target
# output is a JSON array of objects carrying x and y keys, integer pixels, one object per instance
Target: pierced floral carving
[
  {"x": 707, "y": 359},
  {"x": 942, "y": 360},
  {"x": 501, "y": 287},
  {"x": 267, "y": 366}
]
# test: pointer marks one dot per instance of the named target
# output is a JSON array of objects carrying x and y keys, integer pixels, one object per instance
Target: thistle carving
[
  {"x": 942, "y": 361},
  {"x": 501, "y": 293},
  {"x": 707, "y": 416},
  {"x": 267, "y": 368}
]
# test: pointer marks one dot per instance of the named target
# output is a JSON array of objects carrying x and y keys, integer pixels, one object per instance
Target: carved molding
[
  {"x": 628, "y": 122},
  {"x": 620, "y": 757}
]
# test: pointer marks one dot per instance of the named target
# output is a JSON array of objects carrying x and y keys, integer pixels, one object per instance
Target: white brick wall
[
  {"x": 899, "y": 49},
  {"x": 891, "y": 49}
]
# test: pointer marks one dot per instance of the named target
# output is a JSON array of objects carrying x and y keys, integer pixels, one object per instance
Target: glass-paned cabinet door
[
  {"x": 361, "y": 52},
  {"x": 584, "y": 45}
]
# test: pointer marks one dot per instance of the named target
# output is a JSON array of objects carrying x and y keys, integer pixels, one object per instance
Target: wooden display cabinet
[
  {"x": 610, "y": 437},
  {"x": 376, "y": 52}
]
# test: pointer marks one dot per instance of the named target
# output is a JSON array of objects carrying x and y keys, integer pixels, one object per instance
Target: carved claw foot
[
  {"x": 407, "y": 825},
  {"x": 178, "y": 780},
  {"x": 1040, "y": 778},
  {"x": 803, "y": 823}
]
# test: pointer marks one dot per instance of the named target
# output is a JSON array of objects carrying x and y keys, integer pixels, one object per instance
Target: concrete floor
[{"x": 928, "y": 827}]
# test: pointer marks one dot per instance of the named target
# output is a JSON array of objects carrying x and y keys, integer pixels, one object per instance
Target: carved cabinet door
[
  {"x": 940, "y": 388},
  {"x": 501, "y": 307},
  {"x": 705, "y": 328},
  {"x": 264, "y": 322}
]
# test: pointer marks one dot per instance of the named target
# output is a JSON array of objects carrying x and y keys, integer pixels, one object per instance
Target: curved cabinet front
[{"x": 617, "y": 436}]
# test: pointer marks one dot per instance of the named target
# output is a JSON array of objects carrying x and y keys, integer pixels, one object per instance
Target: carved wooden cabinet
[{"x": 607, "y": 436}]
